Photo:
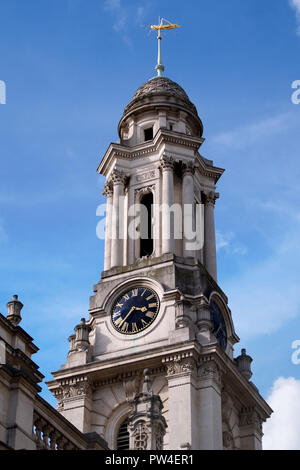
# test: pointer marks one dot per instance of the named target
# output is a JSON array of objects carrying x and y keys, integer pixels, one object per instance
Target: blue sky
[{"x": 70, "y": 67}]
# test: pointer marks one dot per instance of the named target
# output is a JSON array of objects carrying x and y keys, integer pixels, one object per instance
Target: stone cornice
[
  {"x": 17, "y": 330},
  {"x": 110, "y": 369},
  {"x": 147, "y": 148},
  {"x": 209, "y": 171}
]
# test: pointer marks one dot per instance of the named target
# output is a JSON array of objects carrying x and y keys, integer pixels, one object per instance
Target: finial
[
  {"x": 147, "y": 382},
  {"x": 243, "y": 363},
  {"x": 14, "y": 310},
  {"x": 161, "y": 26}
]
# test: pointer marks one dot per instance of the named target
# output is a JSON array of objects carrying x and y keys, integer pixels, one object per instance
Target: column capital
[
  {"x": 188, "y": 168},
  {"x": 180, "y": 364},
  {"x": 210, "y": 198},
  {"x": 166, "y": 163},
  {"x": 108, "y": 189},
  {"x": 209, "y": 370},
  {"x": 250, "y": 417},
  {"x": 117, "y": 177}
]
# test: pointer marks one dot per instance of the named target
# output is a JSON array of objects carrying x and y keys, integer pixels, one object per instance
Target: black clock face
[
  {"x": 135, "y": 310},
  {"x": 219, "y": 327}
]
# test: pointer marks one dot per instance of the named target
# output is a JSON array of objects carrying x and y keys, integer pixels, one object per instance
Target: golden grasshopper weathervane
[{"x": 161, "y": 26}]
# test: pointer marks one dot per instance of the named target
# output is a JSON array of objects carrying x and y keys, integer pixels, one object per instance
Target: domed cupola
[{"x": 158, "y": 103}]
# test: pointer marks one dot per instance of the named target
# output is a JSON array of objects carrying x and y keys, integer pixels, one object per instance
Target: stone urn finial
[
  {"x": 146, "y": 388},
  {"x": 14, "y": 308},
  {"x": 243, "y": 363},
  {"x": 82, "y": 330}
]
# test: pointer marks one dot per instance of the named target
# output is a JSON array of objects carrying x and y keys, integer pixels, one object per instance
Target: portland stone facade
[{"x": 158, "y": 305}]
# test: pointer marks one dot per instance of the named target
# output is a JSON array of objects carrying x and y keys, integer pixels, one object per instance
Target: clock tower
[{"x": 160, "y": 336}]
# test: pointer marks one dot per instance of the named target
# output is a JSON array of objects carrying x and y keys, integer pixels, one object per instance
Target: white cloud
[
  {"x": 227, "y": 241},
  {"x": 119, "y": 14},
  {"x": 282, "y": 430},
  {"x": 249, "y": 133},
  {"x": 295, "y": 4}
]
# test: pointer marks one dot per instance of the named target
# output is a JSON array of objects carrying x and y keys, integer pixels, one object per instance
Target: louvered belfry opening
[
  {"x": 123, "y": 436},
  {"x": 146, "y": 226}
]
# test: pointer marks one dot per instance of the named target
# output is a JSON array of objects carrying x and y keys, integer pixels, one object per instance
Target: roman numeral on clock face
[
  {"x": 118, "y": 321},
  {"x": 150, "y": 314},
  {"x": 150, "y": 297},
  {"x": 154, "y": 304},
  {"x": 125, "y": 327},
  {"x": 134, "y": 328}
]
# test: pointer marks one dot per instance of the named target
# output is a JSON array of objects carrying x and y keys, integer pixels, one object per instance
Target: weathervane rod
[{"x": 161, "y": 26}]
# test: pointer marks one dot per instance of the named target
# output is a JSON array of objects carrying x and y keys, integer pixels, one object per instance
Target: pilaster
[
  {"x": 183, "y": 401},
  {"x": 250, "y": 429},
  {"x": 210, "y": 409},
  {"x": 75, "y": 402}
]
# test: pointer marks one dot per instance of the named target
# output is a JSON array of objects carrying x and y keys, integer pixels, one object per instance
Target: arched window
[
  {"x": 123, "y": 436},
  {"x": 146, "y": 248}
]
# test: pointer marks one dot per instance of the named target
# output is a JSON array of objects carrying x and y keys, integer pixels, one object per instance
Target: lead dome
[{"x": 155, "y": 97}]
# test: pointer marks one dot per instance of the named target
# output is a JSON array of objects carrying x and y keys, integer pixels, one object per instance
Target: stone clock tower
[{"x": 153, "y": 366}]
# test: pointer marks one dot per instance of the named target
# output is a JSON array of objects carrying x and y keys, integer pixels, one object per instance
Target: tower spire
[{"x": 161, "y": 26}]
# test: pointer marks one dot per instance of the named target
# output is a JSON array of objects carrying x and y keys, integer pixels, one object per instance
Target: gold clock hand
[
  {"x": 143, "y": 309},
  {"x": 130, "y": 311}
]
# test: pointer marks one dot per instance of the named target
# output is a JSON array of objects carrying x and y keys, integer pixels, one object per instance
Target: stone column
[
  {"x": 250, "y": 429},
  {"x": 210, "y": 252},
  {"x": 76, "y": 403},
  {"x": 188, "y": 198},
  {"x": 108, "y": 192},
  {"x": 167, "y": 227},
  {"x": 210, "y": 433},
  {"x": 118, "y": 180},
  {"x": 183, "y": 401},
  {"x": 147, "y": 426}
]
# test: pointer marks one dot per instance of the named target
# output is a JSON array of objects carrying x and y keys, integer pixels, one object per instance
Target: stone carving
[
  {"x": 108, "y": 190},
  {"x": 243, "y": 363},
  {"x": 146, "y": 189},
  {"x": 185, "y": 313},
  {"x": 146, "y": 426},
  {"x": 210, "y": 198},
  {"x": 250, "y": 417},
  {"x": 167, "y": 163},
  {"x": 131, "y": 387},
  {"x": 140, "y": 437},
  {"x": 82, "y": 331},
  {"x": 118, "y": 177},
  {"x": 145, "y": 176},
  {"x": 228, "y": 441},
  {"x": 209, "y": 370},
  {"x": 14, "y": 308},
  {"x": 188, "y": 168},
  {"x": 180, "y": 366},
  {"x": 74, "y": 390},
  {"x": 159, "y": 437}
]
